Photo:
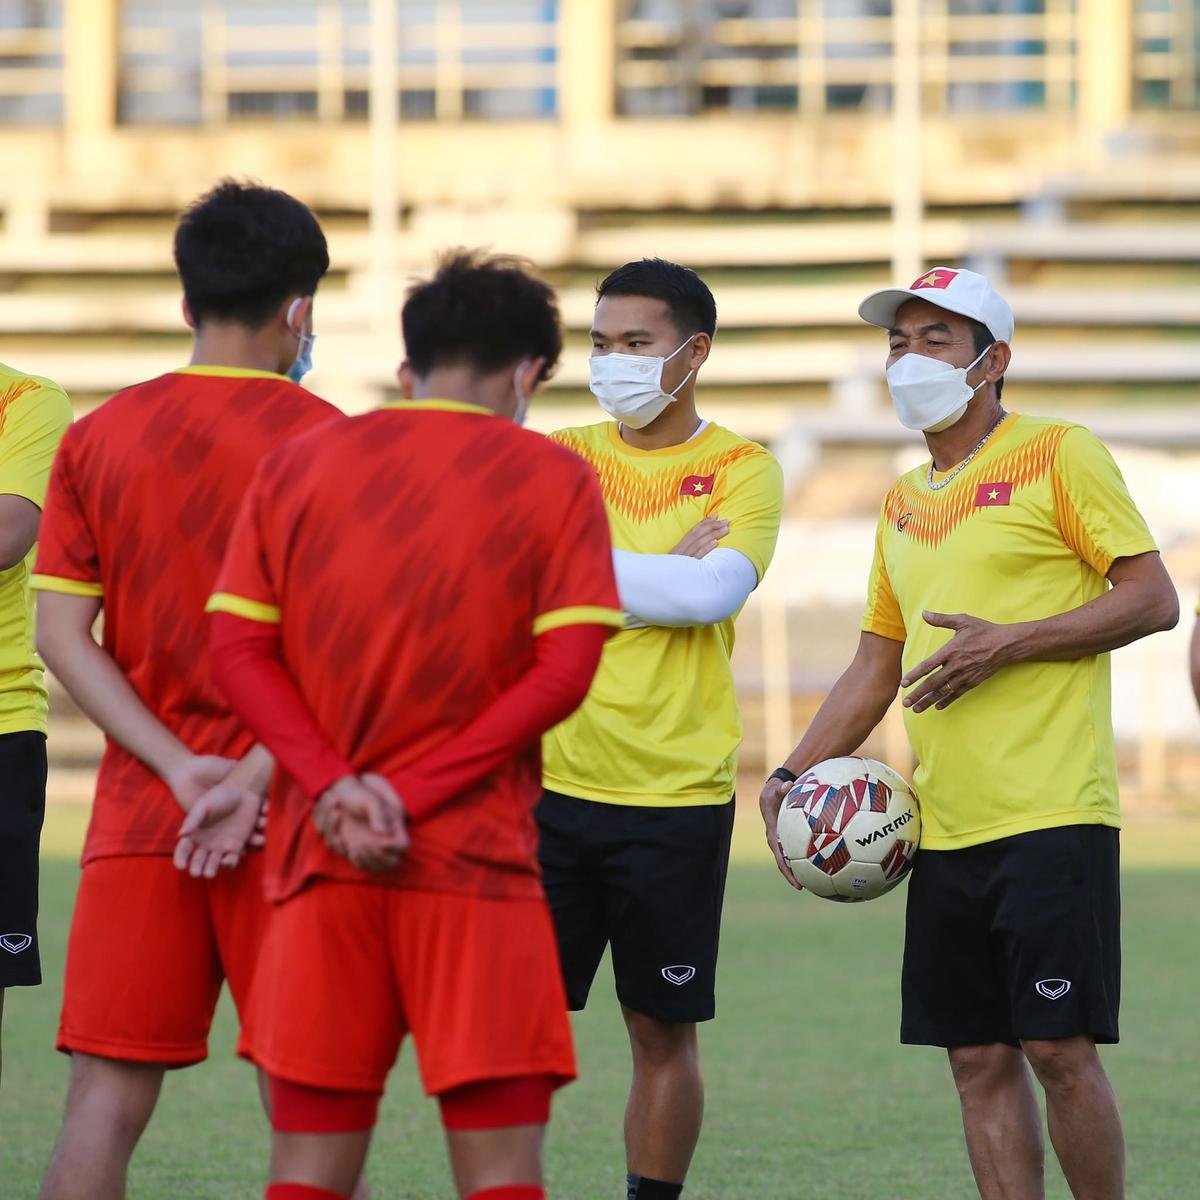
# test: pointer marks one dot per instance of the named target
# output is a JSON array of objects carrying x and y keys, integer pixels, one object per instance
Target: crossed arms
[{"x": 697, "y": 583}]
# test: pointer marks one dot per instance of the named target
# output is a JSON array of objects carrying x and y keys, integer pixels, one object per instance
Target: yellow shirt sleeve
[
  {"x": 1095, "y": 513},
  {"x": 34, "y": 415},
  {"x": 750, "y": 497},
  {"x": 883, "y": 615}
]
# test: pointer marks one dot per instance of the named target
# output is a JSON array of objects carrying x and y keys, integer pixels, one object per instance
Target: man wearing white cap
[{"x": 1005, "y": 570}]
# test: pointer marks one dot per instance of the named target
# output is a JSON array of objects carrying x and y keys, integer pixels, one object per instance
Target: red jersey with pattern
[
  {"x": 142, "y": 498},
  {"x": 411, "y": 556}
]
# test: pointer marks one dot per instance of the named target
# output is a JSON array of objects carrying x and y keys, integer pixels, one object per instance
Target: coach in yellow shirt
[
  {"x": 637, "y": 812},
  {"x": 1005, "y": 570},
  {"x": 34, "y": 414}
]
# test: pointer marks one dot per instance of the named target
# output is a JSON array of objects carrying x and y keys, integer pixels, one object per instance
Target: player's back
[
  {"x": 142, "y": 500},
  {"x": 417, "y": 551}
]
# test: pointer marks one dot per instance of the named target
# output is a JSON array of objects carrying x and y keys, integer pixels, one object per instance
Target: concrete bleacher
[
  {"x": 1107, "y": 241},
  {"x": 96, "y": 306},
  {"x": 788, "y": 306},
  {"x": 1083, "y": 204}
]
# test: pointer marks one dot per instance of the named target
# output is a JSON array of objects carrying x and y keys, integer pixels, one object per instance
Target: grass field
[{"x": 809, "y": 1095}]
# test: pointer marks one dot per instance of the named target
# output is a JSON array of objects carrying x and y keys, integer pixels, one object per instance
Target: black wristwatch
[{"x": 784, "y": 774}]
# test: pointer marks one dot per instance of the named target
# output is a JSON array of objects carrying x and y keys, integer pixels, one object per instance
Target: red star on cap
[{"x": 935, "y": 279}]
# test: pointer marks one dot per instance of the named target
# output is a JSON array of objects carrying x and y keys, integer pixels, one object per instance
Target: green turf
[{"x": 808, "y": 1093}]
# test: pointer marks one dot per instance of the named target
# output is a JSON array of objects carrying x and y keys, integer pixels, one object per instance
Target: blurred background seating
[{"x": 768, "y": 143}]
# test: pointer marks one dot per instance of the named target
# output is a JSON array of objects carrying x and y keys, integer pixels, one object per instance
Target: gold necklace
[{"x": 937, "y": 487}]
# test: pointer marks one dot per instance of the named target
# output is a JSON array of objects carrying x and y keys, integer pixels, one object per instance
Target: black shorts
[
  {"x": 22, "y": 810},
  {"x": 648, "y": 881},
  {"x": 1014, "y": 939}
]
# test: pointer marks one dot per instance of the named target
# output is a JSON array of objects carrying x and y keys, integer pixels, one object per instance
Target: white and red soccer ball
[{"x": 849, "y": 829}]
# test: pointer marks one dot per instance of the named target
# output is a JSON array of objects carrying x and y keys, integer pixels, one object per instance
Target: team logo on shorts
[
  {"x": 14, "y": 943},
  {"x": 678, "y": 975},
  {"x": 1053, "y": 989}
]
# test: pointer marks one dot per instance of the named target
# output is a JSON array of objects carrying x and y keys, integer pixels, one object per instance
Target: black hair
[
  {"x": 242, "y": 249},
  {"x": 481, "y": 311},
  {"x": 983, "y": 337},
  {"x": 686, "y": 295}
]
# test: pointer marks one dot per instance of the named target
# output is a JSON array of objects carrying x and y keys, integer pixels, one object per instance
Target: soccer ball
[{"x": 849, "y": 829}]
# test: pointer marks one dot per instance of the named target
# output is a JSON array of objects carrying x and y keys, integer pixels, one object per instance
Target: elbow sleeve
[{"x": 673, "y": 590}]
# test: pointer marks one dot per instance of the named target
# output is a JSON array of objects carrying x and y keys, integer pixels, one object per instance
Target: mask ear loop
[
  {"x": 684, "y": 380},
  {"x": 306, "y": 340},
  {"x": 522, "y": 400},
  {"x": 685, "y": 342},
  {"x": 979, "y": 359},
  {"x": 975, "y": 364},
  {"x": 692, "y": 372},
  {"x": 291, "y": 312}
]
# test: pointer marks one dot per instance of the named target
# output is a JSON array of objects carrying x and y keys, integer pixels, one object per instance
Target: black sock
[{"x": 641, "y": 1188}]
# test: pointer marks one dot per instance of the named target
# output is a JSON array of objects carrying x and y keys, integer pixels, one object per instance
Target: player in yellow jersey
[
  {"x": 637, "y": 813},
  {"x": 1006, "y": 568},
  {"x": 34, "y": 415}
]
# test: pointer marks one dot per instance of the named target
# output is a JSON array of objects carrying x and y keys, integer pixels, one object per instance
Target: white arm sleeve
[{"x": 674, "y": 590}]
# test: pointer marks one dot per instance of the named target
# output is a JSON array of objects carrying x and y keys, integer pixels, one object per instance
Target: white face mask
[
  {"x": 929, "y": 394},
  {"x": 629, "y": 386}
]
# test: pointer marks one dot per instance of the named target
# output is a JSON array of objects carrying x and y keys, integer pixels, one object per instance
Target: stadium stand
[{"x": 1057, "y": 151}]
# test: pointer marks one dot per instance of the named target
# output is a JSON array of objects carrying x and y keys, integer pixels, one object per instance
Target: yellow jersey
[
  {"x": 660, "y": 726},
  {"x": 1027, "y": 531},
  {"x": 34, "y": 415}
]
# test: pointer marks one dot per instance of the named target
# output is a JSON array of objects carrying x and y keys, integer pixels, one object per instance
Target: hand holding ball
[{"x": 849, "y": 829}]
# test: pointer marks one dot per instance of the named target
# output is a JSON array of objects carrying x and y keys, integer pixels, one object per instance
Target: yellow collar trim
[
  {"x": 678, "y": 450},
  {"x": 216, "y": 372},
  {"x": 440, "y": 406}
]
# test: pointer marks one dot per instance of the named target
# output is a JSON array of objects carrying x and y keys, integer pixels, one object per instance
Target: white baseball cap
[{"x": 960, "y": 291}]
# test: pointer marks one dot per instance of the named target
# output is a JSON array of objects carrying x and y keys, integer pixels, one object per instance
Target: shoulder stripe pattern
[
  {"x": 931, "y": 517},
  {"x": 641, "y": 495},
  {"x": 12, "y": 394}
]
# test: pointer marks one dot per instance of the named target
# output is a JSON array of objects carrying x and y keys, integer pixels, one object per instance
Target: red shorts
[
  {"x": 347, "y": 969},
  {"x": 148, "y": 950}
]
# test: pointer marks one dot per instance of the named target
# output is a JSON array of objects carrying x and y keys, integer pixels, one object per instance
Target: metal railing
[
  {"x": 821, "y": 56},
  {"x": 217, "y": 60},
  {"x": 204, "y": 61},
  {"x": 31, "y": 61},
  {"x": 1166, "y": 54}
]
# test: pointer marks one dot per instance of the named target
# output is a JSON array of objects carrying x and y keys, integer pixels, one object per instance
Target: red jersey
[
  {"x": 410, "y": 557},
  {"x": 142, "y": 497}
]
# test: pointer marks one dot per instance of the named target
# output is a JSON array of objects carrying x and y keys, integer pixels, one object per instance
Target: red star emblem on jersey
[
  {"x": 993, "y": 495},
  {"x": 937, "y": 279},
  {"x": 697, "y": 485}
]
